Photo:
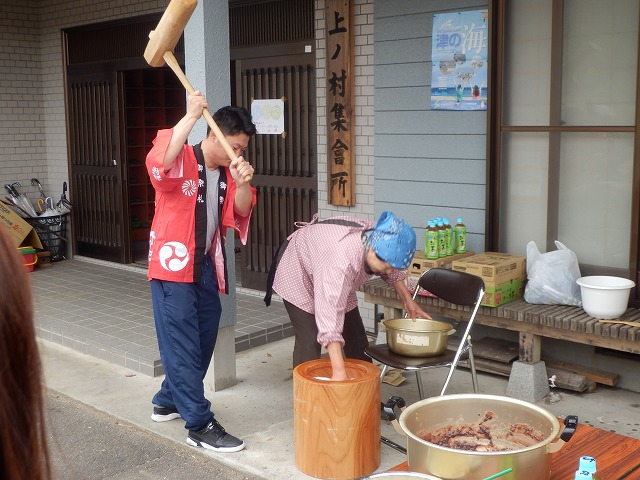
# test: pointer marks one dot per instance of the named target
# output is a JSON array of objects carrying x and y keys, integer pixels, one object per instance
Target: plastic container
[
  {"x": 583, "y": 475},
  {"x": 461, "y": 236},
  {"x": 605, "y": 297},
  {"x": 588, "y": 465},
  {"x": 29, "y": 257},
  {"x": 52, "y": 232},
  {"x": 431, "y": 241}
]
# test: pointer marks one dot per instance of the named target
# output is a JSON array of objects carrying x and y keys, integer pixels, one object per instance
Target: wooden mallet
[{"x": 159, "y": 51}]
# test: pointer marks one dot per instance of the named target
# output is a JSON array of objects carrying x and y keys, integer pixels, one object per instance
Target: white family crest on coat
[
  {"x": 156, "y": 173},
  {"x": 152, "y": 239},
  {"x": 189, "y": 188},
  {"x": 173, "y": 256}
]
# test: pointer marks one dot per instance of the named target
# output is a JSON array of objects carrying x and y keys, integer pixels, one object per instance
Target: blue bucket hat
[{"x": 393, "y": 240}]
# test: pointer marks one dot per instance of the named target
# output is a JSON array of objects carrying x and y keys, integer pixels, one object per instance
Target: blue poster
[{"x": 459, "y": 58}]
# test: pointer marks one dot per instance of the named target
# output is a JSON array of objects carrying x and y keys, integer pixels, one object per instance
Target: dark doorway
[
  {"x": 116, "y": 103},
  {"x": 96, "y": 176}
]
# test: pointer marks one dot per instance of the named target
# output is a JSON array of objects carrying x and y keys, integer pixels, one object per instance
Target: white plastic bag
[{"x": 552, "y": 276}]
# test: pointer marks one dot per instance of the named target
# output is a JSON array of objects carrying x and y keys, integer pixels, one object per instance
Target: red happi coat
[{"x": 178, "y": 232}]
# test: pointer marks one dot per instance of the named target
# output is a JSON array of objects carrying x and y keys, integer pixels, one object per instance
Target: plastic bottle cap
[
  {"x": 459, "y": 220},
  {"x": 587, "y": 464},
  {"x": 583, "y": 475}
]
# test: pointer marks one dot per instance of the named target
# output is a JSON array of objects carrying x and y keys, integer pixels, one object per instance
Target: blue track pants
[{"x": 187, "y": 317}]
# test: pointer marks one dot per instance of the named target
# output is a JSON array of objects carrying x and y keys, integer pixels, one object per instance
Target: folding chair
[{"x": 455, "y": 287}]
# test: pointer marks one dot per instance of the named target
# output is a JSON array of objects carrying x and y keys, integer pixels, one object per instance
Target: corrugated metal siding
[{"x": 427, "y": 163}]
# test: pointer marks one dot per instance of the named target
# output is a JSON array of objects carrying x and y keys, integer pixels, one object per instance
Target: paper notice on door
[{"x": 268, "y": 116}]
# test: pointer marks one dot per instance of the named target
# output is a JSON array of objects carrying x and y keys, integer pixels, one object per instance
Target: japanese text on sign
[
  {"x": 340, "y": 95},
  {"x": 459, "y": 59}
]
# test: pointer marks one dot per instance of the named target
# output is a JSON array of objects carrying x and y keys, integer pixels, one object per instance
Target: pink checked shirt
[{"x": 320, "y": 271}]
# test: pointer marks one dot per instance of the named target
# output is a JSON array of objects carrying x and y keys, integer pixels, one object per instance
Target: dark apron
[{"x": 283, "y": 246}]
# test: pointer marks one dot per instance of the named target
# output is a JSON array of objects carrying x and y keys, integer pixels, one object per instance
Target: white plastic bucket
[{"x": 605, "y": 297}]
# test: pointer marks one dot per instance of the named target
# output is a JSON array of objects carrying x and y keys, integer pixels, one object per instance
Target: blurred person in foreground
[
  {"x": 23, "y": 436},
  {"x": 317, "y": 276}
]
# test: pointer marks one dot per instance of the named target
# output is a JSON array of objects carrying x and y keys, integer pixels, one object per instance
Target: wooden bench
[{"x": 531, "y": 321}]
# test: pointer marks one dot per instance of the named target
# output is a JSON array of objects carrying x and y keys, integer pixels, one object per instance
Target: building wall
[
  {"x": 22, "y": 155},
  {"x": 428, "y": 163},
  {"x": 433, "y": 163},
  {"x": 364, "y": 122},
  {"x": 32, "y": 113}
]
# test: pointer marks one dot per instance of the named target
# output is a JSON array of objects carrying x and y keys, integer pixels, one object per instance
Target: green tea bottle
[
  {"x": 461, "y": 236},
  {"x": 431, "y": 241},
  {"x": 448, "y": 236}
]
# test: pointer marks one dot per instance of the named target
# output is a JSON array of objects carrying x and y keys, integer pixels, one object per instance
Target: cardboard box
[
  {"x": 496, "y": 295},
  {"x": 421, "y": 263},
  {"x": 494, "y": 268},
  {"x": 20, "y": 231}
]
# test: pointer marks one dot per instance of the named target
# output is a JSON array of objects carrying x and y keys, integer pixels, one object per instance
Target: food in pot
[{"x": 485, "y": 435}]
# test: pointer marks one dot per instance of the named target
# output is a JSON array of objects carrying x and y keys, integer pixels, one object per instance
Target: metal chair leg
[
  {"x": 420, "y": 389},
  {"x": 474, "y": 376},
  {"x": 383, "y": 372}
]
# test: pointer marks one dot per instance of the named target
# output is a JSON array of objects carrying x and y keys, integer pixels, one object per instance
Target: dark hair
[
  {"x": 233, "y": 121},
  {"x": 23, "y": 440}
]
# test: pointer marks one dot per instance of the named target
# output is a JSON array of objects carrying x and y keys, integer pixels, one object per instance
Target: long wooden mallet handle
[{"x": 170, "y": 60}]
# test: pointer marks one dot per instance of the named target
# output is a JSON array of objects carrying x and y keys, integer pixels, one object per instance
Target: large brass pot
[
  {"x": 418, "y": 337},
  {"x": 530, "y": 463}
]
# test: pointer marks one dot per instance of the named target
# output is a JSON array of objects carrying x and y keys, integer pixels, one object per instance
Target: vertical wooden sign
[{"x": 340, "y": 102}]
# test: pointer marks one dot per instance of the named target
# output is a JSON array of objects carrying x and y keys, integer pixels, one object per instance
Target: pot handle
[
  {"x": 451, "y": 332},
  {"x": 388, "y": 412},
  {"x": 570, "y": 425}
]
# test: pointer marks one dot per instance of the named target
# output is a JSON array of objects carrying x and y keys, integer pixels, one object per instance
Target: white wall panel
[{"x": 427, "y": 163}]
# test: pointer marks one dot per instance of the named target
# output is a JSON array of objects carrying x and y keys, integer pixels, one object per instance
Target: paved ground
[
  {"x": 258, "y": 409},
  {"x": 87, "y": 444}
]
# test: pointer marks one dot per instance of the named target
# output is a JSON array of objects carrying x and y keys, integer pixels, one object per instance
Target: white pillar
[{"x": 207, "y": 66}]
